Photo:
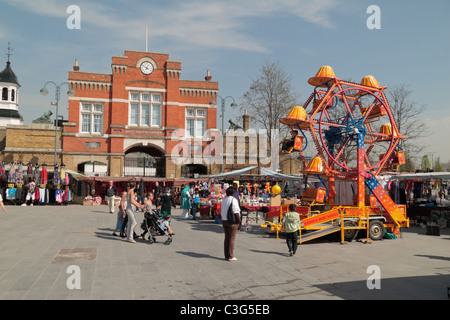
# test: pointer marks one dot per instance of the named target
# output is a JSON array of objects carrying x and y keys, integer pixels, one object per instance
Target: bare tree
[
  {"x": 270, "y": 98},
  {"x": 446, "y": 166},
  {"x": 437, "y": 165},
  {"x": 426, "y": 164},
  {"x": 407, "y": 114}
]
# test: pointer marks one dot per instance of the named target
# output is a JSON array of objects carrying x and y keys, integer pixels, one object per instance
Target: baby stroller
[{"x": 152, "y": 226}]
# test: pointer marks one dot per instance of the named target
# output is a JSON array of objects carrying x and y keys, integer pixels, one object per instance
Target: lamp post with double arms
[{"x": 44, "y": 92}]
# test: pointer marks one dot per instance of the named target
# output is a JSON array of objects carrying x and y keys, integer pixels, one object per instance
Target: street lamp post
[
  {"x": 232, "y": 105},
  {"x": 44, "y": 92}
]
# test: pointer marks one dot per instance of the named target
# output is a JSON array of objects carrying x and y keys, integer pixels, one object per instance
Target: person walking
[
  {"x": 120, "y": 220},
  {"x": 141, "y": 192},
  {"x": 291, "y": 224},
  {"x": 129, "y": 197},
  {"x": 167, "y": 202},
  {"x": 157, "y": 192},
  {"x": 111, "y": 192},
  {"x": 229, "y": 226},
  {"x": 185, "y": 203},
  {"x": 148, "y": 211}
]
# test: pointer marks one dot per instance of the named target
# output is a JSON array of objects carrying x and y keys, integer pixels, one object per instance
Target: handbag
[{"x": 230, "y": 214}]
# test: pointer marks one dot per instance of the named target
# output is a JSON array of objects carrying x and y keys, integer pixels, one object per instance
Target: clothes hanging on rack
[
  {"x": 19, "y": 174},
  {"x": 62, "y": 175},
  {"x": 12, "y": 173},
  {"x": 36, "y": 193},
  {"x": 2, "y": 169},
  {"x": 29, "y": 170},
  {"x": 42, "y": 192},
  {"x": 36, "y": 174},
  {"x": 11, "y": 194},
  {"x": 43, "y": 174},
  {"x": 67, "y": 196},
  {"x": 56, "y": 180},
  {"x": 58, "y": 195}
]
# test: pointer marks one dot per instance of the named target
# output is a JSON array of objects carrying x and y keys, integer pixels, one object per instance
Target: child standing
[
  {"x": 119, "y": 223},
  {"x": 291, "y": 224}
]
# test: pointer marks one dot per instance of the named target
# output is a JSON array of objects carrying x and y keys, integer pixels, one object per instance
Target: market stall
[
  {"x": 425, "y": 194},
  {"x": 32, "y": 184},
  {"x": 255, "y": 191}
]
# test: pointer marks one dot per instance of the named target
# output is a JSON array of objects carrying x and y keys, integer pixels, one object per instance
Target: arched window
[
  {"x": 13, "y": 94},
  {"x": 5, "y": 94}
]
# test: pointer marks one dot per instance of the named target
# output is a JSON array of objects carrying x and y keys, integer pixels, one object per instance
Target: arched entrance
[{"x": 144, "y": 161}]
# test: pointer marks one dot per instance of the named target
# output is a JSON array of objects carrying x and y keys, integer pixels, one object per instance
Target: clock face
[{"x": 146, "y": 67}]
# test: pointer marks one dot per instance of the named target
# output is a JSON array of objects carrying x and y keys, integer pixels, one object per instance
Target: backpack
[
  {"x": 196, "y": 199},
  {"x": 230, "y": 214}
]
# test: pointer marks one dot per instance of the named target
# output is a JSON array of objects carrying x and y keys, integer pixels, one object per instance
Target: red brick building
[{"x": 120, "y": 124}]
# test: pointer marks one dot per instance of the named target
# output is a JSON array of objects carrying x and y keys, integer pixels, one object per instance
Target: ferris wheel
[{"x": 352, "y": 125}]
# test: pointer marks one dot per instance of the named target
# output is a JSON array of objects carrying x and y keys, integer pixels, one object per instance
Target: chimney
[
  {"x": 76, "y": 67},
  {"x": 246, "y": 120},
  {"x": 208, "y": 76}
]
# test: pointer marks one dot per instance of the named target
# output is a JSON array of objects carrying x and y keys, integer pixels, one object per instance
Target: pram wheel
[{"x": 168, "y": 241}]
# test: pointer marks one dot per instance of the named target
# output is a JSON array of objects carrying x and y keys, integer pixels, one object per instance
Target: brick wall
[
  {"x": 35, "y": 143},
  {"x": 112, "y": 90}
]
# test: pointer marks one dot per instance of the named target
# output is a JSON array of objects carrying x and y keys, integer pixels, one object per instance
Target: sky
[{"x": 233, "y": 39}]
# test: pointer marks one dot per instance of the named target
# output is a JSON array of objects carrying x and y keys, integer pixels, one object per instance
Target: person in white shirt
[
  {"x": 230, "y": 227},
  {"x": 30, "y": 194}
]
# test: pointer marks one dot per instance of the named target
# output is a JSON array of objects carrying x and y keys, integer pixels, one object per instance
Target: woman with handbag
[{"x": 231, "y": 219}]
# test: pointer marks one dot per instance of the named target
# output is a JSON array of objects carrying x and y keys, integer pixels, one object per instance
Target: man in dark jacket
[
  {"x": 111, "y": 192},
  {"x": 167, "y": 202},
  {"x": 157, "y": 192}
]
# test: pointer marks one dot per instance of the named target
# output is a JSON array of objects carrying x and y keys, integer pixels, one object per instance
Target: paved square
[{"x": 38, "y": 244}]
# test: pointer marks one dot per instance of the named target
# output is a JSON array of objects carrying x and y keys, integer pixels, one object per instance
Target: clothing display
[
  {"x": 11, "y": 193},
  {"x": 19, "y": 174},
  {"x": 36, "y": 174},
  {"x": 2, "y": 169},
  {"x": 29, "y": 170},
  {"x": 58, "y": 195},
  {"x": 56, "y": 180},
  {"x": 21, "y": 187},
  {"x": 67, "y": 196},
  {"x": 42, "y": 195},
  {"x": 12, "y": 173},
  {"x": 19, "y": 194}
]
